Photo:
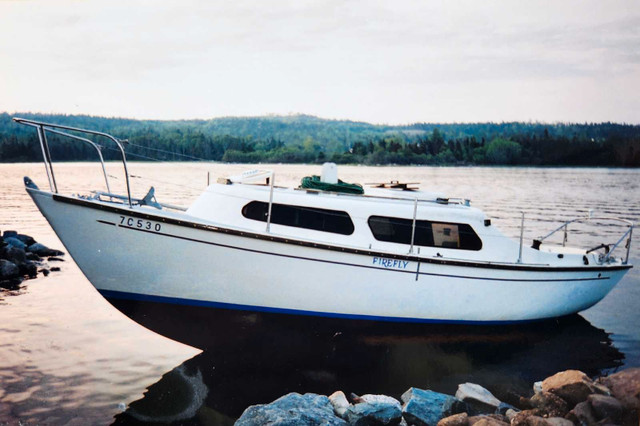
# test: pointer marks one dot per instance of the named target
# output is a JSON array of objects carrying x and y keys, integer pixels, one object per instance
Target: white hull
[{"x": 140, "y": 253}]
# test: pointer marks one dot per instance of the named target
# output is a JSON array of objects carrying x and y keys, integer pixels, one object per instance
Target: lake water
[{"x": 68, "y": 357}]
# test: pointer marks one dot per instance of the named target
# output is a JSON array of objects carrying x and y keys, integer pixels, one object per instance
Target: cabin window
[
  {"x": 428, "y": 234},
  {"x": 334, "y": 221}
]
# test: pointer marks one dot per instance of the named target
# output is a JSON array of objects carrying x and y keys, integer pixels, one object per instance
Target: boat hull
[{"x": 140, "y": 255}]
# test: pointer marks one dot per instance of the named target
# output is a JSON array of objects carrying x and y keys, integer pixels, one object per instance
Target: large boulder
[
  {"x": 292, "y": 410},
  {"x": 44, "y": 251},
  {"x": 572, "y": 385},
  {"x": 27, "y": 239},
  {"x": 625, "y": 387},
  {"x": 551, "y": 404},
  {"x": 8, "y": 270},
  {"x": 14, "y": 254},
  {"x": 582, "y": 414},
  {"x": 606, "y": 407},
  {"x": 427, "y": 408},
  {"x": 478, "y": 399},
  {"x": 13, "y": 241},
  {"x": 374, "y": 410}
]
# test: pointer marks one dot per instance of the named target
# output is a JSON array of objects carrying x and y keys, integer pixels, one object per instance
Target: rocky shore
[
  {"x": 565, "y": 399},
  {"x": 22, "y": 257}
]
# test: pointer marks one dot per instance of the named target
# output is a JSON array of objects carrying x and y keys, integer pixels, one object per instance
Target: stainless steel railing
[
  {"x": 628, "y": 235},
  {"x": 42, "y": 129}
]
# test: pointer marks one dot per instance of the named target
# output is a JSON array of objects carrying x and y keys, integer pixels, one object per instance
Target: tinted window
[
  {"x": 337, "y": 222},
  {"x": 428, "y": 234}
]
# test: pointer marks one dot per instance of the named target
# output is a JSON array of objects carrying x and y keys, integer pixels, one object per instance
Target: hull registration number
[{"x": 131, "y": 222}]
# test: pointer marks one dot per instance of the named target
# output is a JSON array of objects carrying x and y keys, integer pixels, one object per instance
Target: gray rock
[
  {"x": 43, "y": 251},
  {"x": 427, "y": 408},
  {"x": 29, "y": 268},
  {"x": 291, "y": 410},
  {"x": 12, "y": 241},
  {"x": 15, "y": 255},
  {"x": 27, "y": 239},
  {"x": 478, "y": 399},
  {"x": 582, "y": 414},
  {"x": 10, "y": 234},
  {"x": 340, "y": 404},
  {"x": 606, "y": 407},
  {"x": 374, "y": 410},
  {"x": 8, "y": 270}
]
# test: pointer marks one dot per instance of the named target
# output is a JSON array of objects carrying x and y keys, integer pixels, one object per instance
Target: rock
[
  {"x": 537, "y": 387},
  {"x": 12, "y": 241},
  {"x": 374, "y": 410},
  {"x": 55, "y": 269},
  {"x": 8, "y": 270},
  {"x": 490, "y": 421},
  {"x": 28, "y": 240},
  {"x": 477, "y": 398},
  {"x": 625, "y": 387},
  {"x": 536, "y": 421},
  {"x": 504, "y": 407},
  {"x": 14, "y": 254},
  {"x": 427, "y": 408},
  {"x": 11, "y": 283},
  {"x": 45, "y": 272},
  {"x": 290, "y": 410},
  {"x": 487, "y": 418},
  {"x": 520, "y": 419},
  {"x": 29, "y": 268},
  {"x": 572, "y": 385},
  {"x": 461, "y": 419},
  {"x": 33, "y": 256},
  {"x": 43, "y": 251},
  {"x": 606, "y": 407},
  {"x": 510, "y": 414},
  {"x": 559, "y": 421},
  {"x": 10, "y": 234},
  {"x": 55, "y": 259},
  {"x": 551, "y": 404},
  {"x": 339, "y": 402},
  {"x": 582, "y": 414}
]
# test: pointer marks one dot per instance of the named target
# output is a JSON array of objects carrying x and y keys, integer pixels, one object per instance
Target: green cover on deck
[{"x": 314, "y": 182}]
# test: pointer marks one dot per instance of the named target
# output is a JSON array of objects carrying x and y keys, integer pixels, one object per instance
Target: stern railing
[{"x": 42, "y": 129}]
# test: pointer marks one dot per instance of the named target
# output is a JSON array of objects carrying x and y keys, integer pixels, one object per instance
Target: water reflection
[{"x": 255, "y": 358}]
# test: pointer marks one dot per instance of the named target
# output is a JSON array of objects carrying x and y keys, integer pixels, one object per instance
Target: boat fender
[
  {"x": 536, "y": 244},
  {"x": 585, "y": 260},
  {"x": 487, "y": 222}
]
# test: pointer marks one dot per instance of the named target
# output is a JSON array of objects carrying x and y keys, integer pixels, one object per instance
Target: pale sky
[{"x": 379, "y": 61}]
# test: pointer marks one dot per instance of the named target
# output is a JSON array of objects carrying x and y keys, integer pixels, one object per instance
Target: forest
[{"x": 308, "y": 139}]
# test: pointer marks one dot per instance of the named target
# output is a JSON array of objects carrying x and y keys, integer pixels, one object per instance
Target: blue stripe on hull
[{"x": 110, "y": 294}]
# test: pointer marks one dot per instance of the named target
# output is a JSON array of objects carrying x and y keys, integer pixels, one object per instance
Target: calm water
[{"x": 68, "y": 357}]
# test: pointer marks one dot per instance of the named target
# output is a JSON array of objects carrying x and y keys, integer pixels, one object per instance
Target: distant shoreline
[{"x": 303, "y": 139}]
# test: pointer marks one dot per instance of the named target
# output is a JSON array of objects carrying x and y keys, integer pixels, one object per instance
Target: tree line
[{"x": 307, "y": 139}]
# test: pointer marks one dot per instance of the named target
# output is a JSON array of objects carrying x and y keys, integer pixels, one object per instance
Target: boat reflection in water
[{"x": 253, "y": 358}]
